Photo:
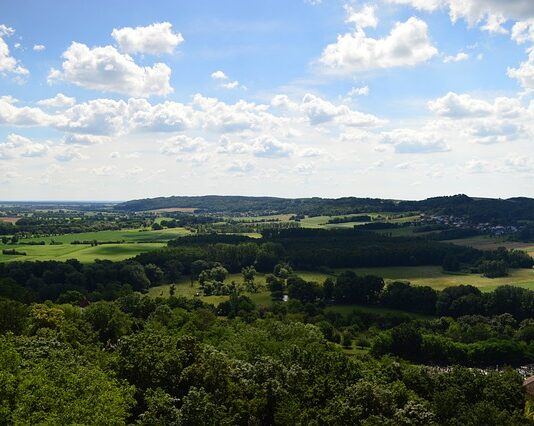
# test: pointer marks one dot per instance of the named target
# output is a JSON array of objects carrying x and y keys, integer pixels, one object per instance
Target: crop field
[
  {"x": 491, "y": 243},
  {"x": 9, "y": 219},
  {"x": 128, "y": 235}
]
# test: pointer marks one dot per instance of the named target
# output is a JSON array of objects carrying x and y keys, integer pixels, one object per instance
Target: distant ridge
[{"x": 477, "y": 209}]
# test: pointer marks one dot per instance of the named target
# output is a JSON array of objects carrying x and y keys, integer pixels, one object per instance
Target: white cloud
[
  {"x": 219, "y": 75},
  {"x": 58, "y": 101},
  {"x": 459, "y": 57},
  {"x": 492, "y": 13},
  {"x": 76, "y": 139},
  {"x": 66, "y": 154},
  {"x": 8, "y": 64},
  {"x": 12, "y": 115},
  {"x": 453, "y": 105},
  {"x": 182, "y": 144},
  {"x": 523, "y": 31},
  {"x": 153, "y": 39},
  {"x": 268, "y": 147},
  {"x": 224, "y": 79},
  {"x": 364, "y": 18},
  {"x": 19, "y": 146},
  {"x": 283, "y": 101},
  {"x": 491, "y": 131},
  {"x": 39, "y": 47},
  {"x": 407, "y": 44},
  {"x": 407, "y": 141},
  {"x": 320, "y": 111},
  {"x": 231, "y": 85},
  {"x": 226, "y": 146},
  {"x": 525, "y": 72},
  {"x": 359, "y": 91},
  {"x": 107, "y": 70},
  {"x": 240, "y": 167}
]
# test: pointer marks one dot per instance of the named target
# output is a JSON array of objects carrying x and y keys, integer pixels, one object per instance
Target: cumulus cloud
[
  {"x": 10, "y": 114},
  {"x": 8, "y": 64},
  {"x": 407, "y": 141},
  {"x": 39, "y": 47},
  {"x": 523, "y": 31},
  {"x": 107, "y": 70},
  {"x": 182, "y": 144},
  {"x": 525, "y": 72},
  {"x": 268, "y": 147},
  {"x": 19, "y": 146},
  {"x": 76, "y": 139},
  {"x": 363, "y": 18},
  {"x": 407, "y": 44},
  {"x": 58, "y": 101},
  {"x": 453, "y": 105},
  {"x": 320, "y": 111},
  {"x": 153, "y": 39},
  {"x": 492, "y": 12},
  {"x": 66, "y": 154},
  {"x": 219, "y": 75}
]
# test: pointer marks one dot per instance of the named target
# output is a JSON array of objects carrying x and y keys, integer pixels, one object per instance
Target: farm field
[
  {"x": 322, "y": 221},
  {"x": 491, "y": 243},
  {"x": 128, "y": 235}
]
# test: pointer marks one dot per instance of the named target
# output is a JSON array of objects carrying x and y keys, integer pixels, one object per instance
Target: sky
[{"x": 402, "y": 99}]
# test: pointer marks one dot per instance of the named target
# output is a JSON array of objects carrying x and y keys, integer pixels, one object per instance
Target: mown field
[
  {"x": 136, "y": 242},
  {"x": 84, "y": 253},
  {"x": 483, "y": 242}
]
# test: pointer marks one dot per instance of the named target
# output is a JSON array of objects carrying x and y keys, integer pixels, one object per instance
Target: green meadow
[
  {"x": 135, "y": 242},
  {"x": 432, "y": 276}
]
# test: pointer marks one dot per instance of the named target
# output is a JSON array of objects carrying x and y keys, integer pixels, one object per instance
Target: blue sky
[{"x": 391, "y": 98}]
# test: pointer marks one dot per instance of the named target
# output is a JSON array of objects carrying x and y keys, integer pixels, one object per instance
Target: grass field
[
  {"x": 136, "y": 242},
  {"x": 432, "y": 276},
  {"x": 84, "y": 253}
]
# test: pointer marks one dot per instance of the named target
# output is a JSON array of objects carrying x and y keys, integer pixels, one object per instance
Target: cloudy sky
[{"x": 405, "y": 99}]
